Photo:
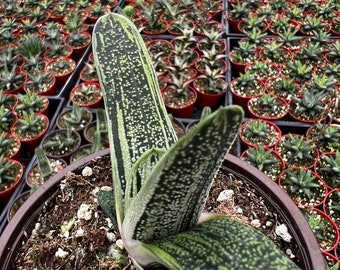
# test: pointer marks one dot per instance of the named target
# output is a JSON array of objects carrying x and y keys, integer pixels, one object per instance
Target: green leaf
[
  {"x": 137, "y": 118},
  {"x": 173, "y": 196},
  {"x": 44, "y": 163},
  {"x": 220, "y": 243},
  {"x": 106, "y": 201}
]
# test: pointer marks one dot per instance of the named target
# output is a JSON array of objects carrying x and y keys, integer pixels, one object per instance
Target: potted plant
[
  {"x": 274, "y": 53},
  {"x": 179, "y": 97},
  {"x": 89, "y": 73},
  {"x": 297, "y": 150},
  {"x": 42, "y": 83},
  {"x": 9, "y": 58},
  {"x": 58, "y": 49},
  {"x": 263, "y": 71},
  {"x": 308, "y": 107},
  {"x": 12, "y": 81},
  {"x": 268, "y": 106},
  {"x": 43, "y": 169},
  {"x": 61, "y": 68},
  {"x": 31, "y": 49},
  {"x": 236, "y": 14},
  {"x": 211, "y": 87},
  {"x": 326, "y": 136},
  {"x": 323, "y": 228},
  {"x": 244, "y": 87},
  {"x": 303, "y": 185},
  {"x": 256, "y": 132},
  {"x": 265, "y": 159},
  {"x": 327, "y": 167},
  {"x": 87, "y": 95},
  {"x": 31, "y": 102},
  {"x": 10, "y": 175},
  {"x": 243, "y": 54},
  {"x": 284, "y": 87},
  {"x": 76, "y": 118},
  {"x": 30, "y": 129},
  {"x": 78, "y": 41},
  {"x": 152, "y": 256},
  {"x": 61, "y": 143}
]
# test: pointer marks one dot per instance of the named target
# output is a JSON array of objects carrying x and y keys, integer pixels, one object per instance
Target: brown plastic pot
[{"x": 310, "y": 252}]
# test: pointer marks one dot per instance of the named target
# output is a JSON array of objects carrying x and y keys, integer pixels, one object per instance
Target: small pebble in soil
[
  {"x": 290, "y": 253},
  {"x": 111, "y": 236}
]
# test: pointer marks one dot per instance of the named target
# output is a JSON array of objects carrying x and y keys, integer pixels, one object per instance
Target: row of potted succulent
[
  {"x": 308, "y": 175},
  {"x": 292, "y": 68},
  {"x": 23, "y": 125},
  {"x": 39, "y": 50},
  {"x": 273, "y": 16}
]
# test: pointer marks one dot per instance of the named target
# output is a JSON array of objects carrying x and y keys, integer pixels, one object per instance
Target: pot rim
[{"x": 310, "y": 251}]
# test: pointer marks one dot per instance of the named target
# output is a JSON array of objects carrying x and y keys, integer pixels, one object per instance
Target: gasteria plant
[{"x": 151, "y": 168}]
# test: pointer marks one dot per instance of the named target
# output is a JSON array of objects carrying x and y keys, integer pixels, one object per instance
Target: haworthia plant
[{"x": 161, "y": 184}]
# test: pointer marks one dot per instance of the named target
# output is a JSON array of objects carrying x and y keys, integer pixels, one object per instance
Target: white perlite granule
[
  {"x": 282, "y": 231},
  {"x": 225, "y": 195}
]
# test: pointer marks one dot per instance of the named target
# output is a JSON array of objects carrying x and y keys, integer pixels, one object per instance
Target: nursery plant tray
[{"x": 55, "y": 106}]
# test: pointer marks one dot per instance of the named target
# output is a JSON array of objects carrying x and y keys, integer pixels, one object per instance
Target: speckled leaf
[
  {"x": 137, "y": 118},
  {"x": 173, "y": 196},
  {"x": 220, "y": 243},
  {"x": 106, "y": 201}
]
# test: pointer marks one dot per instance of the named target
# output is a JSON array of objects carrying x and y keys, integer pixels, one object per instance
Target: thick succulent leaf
[
  {"x": 136, "y": 115},
  {"x": 173, "y": 196},
  {"x": 219, "y": 243},
  {"x": 140, "y": 171}
]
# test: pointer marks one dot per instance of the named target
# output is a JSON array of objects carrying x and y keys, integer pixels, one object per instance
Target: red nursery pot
[
  {"x": 209, "y": 100},
  {"x": 332, "y": 197},
  {"x": 6, "y": 194},
  {"x": 50, "y": 91},
  {"x": 31, "y": 143},
  {"x": 331, "y": 183},
  {"x": 185, "y": 111},
  {"x": 233, "y": 25},
  {"x": 279, "y": 167},
  {"x": 331, "y": 243}
]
